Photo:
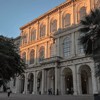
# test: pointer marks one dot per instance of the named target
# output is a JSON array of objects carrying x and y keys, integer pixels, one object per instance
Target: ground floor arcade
[{"x": 73, "y": 79}]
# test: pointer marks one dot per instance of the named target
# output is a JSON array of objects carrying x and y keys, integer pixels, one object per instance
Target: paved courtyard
[{"x": 3, "y": 96}]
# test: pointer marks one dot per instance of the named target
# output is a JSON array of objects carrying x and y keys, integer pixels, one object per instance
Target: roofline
[
  {"x": 47, "y": 13},
  {"x": 18, "y": 37}
]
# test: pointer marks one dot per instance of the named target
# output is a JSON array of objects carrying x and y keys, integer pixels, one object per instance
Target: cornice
[{"x": 57, "y": 8}]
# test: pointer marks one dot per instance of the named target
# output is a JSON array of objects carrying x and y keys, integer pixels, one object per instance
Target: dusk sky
[{"x": 16, "y": 13}]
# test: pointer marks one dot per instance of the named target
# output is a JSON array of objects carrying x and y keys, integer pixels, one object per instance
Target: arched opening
[
  {"x": 24, "y": 56},
  {"x": 53, "y": 26},
  {"x": 85, "y": 79},
  {"x": 82, "y": 13},
  {"x": 41, "y": 53},
  {"x": 32, "y": 54},
  {"x": 66, "y": 21},
  {"x": 33, "y": 34},
  {"x": 39, "y": 82},
  {"x": 42, "y": 30},
  {"x": 68, "y": 81},
  {"x": 51, "y": 81},
  {"x": 22, "y": 83},
  {"x": 30, "y": 83}
]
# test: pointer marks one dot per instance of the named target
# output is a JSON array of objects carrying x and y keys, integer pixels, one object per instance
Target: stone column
[
  {"x": 25, "y": 84},
  {"x": 34, "y": 83},
  {"x": 29, "y": 38},
  {"x": 57, "y": 47},
  {"x": 62, "y": 84},
  {"x": 59, "y": 21},
  {"x": 36, "y": 54},
  {"x": 47, "y": 28},
  {"x": 17, "y": 84},
  {"x": 38, "y": 30},
  {"x": 79, "y": 83},
  {"x": 43, "y": 76},
  {"x": 27, "y": 57},
  {"x": 74, "y": 80},
  {"x": 46, "y": 50},
  {"x": 56, "y": 80},
  {"x": 45, "y": 82},
  {"x": 94, "y": 80},
  {"x": 73, "y": 45}
]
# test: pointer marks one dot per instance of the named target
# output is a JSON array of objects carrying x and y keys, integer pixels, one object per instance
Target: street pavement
[{"x": 3, "y": 96}]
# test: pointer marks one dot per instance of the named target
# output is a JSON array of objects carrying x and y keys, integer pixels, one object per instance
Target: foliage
[
  {"x": 90, "y": 34},
  {"x": 10, "y": 62}
]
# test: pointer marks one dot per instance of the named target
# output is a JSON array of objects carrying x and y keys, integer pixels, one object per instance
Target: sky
[{"x": 16, "y": 13}]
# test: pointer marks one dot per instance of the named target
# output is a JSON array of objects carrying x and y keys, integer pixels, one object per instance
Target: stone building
[{"x": 54, "y": 57}]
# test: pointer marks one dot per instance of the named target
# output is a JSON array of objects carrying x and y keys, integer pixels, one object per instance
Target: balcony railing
[{"x": 51, "y": 60}]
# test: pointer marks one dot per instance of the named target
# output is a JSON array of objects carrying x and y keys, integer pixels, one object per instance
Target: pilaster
[
  {"x": 43, "y": 85},
  {"x": 26, "y": 83},
  {"x": 74, "y": 80}
]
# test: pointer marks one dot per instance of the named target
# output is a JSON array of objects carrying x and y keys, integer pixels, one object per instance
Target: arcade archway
[
  {"x": 39, "y": 82},
  {"x": 22, "y": 83},
  {"x": 67, "y": 81},
  {"x": 30, "y": 83},
  {"x": 51, "y": 77},
  {"x": 85, "y": 80}
]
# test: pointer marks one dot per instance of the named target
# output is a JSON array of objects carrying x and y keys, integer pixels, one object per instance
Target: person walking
[{"x": 8, "y": 92}]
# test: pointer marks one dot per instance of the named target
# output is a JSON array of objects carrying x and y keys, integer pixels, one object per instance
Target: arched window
[
  {"x": 82, "y": 13},
  {"x": 53, "y": 26},
  {"x": 33, "y": 35},
  {"x": 24, "y": 57},
  {"x": 32, "y": 56},
  {"x": 51, "y": 51},
  {"x": 97, "y": 4},
  {"x": 42, "y": 30},
  {"x": 41, "y": 53},
  {"x": 24, "y": 39},
  {"x": 67, "y": 46},
  {"x": 66, "y": 20}
]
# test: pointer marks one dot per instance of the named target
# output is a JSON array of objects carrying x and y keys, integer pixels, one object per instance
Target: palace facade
[{"x": 54, "y": 58}]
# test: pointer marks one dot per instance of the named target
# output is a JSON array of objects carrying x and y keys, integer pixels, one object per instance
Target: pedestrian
[
  {"x": 8, "y": 92},
  {"x": 49, "y": 91},
  {"x": 67, "y": 90}
]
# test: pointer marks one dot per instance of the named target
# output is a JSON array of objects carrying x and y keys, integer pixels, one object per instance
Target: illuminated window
[
  {"x": 41, "y": 54},
  {"x": 32, "y": 56},
  {"x": 42, "y": 30},
  {"x": 53, "y": 26},
  {"x": 66, "y": 20},
  {"x": 33, "y": 35},
  {"x": 67, "y": 46}
]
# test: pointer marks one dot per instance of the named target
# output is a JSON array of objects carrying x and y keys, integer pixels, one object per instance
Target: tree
[
  {"x": 11, "y": 63},
  {"x": 90, "y": 36}
]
